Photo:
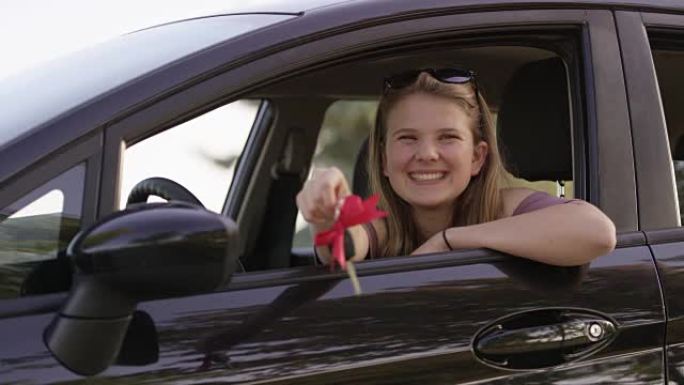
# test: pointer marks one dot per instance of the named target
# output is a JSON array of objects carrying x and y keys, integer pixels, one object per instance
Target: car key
[{"x": 349, "y": 252}]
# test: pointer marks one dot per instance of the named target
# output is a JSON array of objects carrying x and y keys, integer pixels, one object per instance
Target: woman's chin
[{"x": 431, "y": 204}]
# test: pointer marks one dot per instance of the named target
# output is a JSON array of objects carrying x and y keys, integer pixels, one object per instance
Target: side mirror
[{"x": 145, "y": 252}]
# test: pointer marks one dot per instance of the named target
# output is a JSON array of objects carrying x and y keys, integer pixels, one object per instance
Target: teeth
[{"x": 426, "y": 176}]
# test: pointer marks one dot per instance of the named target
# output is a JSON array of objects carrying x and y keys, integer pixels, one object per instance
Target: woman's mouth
[{"x": 427, "y": 176}]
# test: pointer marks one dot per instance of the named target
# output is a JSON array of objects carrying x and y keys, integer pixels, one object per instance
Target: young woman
[{"x": 434, "y": 161}]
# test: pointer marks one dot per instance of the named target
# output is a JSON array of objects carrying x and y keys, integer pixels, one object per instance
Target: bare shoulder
[{"x": 512, "y": 197}]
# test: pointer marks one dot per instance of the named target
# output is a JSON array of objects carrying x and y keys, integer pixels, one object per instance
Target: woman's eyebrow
[
  {"x": 404, "y": 131},
  {"x": 408, "y": 130}
]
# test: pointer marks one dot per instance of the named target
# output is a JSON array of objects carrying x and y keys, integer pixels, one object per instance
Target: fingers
[{"x": 320, "y": 195}]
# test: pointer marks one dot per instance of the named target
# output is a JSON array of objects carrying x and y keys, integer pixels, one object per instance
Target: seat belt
[{"x": 275, "y": 240}]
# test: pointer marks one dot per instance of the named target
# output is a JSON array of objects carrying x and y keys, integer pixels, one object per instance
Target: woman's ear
[{"x": 480, "y": 152}]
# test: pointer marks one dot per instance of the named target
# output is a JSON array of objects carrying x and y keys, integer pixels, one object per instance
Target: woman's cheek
[{"x": 405, "y": 153}]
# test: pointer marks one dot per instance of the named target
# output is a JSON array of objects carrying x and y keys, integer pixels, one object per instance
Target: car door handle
[
  {"x": 543, "y": 337},
  {"x": 537, "y": 338}
]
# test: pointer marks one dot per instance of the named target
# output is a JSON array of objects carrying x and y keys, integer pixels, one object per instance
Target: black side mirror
[{"x": 145, "y": 252}]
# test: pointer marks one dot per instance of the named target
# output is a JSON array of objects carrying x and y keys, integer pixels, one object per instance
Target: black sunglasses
[{"x": 445, "y": 75}]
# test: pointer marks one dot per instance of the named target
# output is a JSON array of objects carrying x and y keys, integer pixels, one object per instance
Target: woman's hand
[
  {"x": 318, "y": 201},
  {"x": 320, "y": 196}
]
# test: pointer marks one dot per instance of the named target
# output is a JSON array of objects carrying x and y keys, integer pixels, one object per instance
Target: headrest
[
  {"x": 678, "y": 153},
  {"x": 533, "y": 123},
  {"x": 360, "y": 184}
]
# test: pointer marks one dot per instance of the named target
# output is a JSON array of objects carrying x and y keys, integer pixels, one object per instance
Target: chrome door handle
[
  {"x": 538, "y": 338},
  {"x": 543, "y": 338}
]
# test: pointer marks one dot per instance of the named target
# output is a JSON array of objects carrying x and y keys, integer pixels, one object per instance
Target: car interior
[
  {"x": 668, "y": 58},
  {"x": 526, "y": 88}
]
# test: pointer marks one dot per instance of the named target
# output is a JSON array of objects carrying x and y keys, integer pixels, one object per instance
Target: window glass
[
  {"x": 32, "y": 231},
  {"x": 199, "y": 154},
  {"x": 668, "y": 64}
]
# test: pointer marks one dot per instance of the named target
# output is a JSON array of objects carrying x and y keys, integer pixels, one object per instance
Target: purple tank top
[
  {"x": 538, "y": 200},
  {"x": 535, "y": 201}
]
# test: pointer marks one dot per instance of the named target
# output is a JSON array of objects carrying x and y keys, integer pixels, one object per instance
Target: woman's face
[{"x": 429, "y": 154}]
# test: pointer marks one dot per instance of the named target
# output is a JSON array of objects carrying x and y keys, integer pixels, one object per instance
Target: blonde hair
[{"x": 480, "y": 201}]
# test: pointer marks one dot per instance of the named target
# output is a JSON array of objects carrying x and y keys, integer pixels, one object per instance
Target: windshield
[{"x": 35, "y": 97}]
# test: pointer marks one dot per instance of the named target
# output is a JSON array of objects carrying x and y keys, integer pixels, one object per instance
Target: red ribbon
[{"x": 354, "y": 212}]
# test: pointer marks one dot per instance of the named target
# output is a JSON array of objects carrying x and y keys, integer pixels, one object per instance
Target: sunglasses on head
[{"x": 445, "y": 75}]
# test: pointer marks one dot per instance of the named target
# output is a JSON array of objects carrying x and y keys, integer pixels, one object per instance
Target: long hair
[{"x": 480, "y": 201}]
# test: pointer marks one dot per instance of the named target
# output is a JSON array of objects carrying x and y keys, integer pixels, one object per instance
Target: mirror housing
[{"x": 142, "y": 253}]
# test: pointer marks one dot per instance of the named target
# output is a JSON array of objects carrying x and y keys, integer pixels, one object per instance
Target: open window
[{"x": 530, "y": 82}]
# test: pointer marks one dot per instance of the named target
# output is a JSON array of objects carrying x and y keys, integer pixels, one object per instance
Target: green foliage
[
  {"x": 25, "y": 241},
  {"x": 345, "y": 126}
]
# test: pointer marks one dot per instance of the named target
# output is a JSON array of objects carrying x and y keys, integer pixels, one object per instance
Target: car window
[
  {"x": 668, "y": 63},
  {"x": 347, "y": 124},
  {"x": 32, "y": 231},
  {"x": 199, "y": 154}
]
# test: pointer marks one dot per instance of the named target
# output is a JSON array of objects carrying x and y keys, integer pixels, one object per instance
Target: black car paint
[
  {"x": 417, "y": 317},
  {"x": 412, "y": 326}
]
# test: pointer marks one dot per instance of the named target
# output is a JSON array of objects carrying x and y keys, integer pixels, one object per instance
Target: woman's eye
[
  {"x": 406, "y": 138},
  {"x": 449, "y": 137}
]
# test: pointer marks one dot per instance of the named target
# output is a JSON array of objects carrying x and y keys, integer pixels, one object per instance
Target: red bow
[{"x": 354, "y": 211}]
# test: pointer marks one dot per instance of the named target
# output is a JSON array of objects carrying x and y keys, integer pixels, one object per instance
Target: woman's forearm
[{"x": 568, "y": 234}]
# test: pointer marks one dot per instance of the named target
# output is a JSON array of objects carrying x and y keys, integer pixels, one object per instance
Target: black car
[{"x": 98, "y": 285}]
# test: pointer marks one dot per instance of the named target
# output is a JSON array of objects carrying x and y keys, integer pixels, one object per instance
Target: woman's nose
[{"x": 427, "y": 150}]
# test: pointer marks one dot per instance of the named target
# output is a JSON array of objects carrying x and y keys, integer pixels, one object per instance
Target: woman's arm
[{"x": 567, "y": 234}]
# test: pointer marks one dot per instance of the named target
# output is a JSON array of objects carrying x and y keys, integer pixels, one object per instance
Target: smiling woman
[{"x": 434, "y": 162}]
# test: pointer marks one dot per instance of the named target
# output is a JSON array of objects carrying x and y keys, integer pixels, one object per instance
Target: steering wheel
[{"x": 161, "y": 187}]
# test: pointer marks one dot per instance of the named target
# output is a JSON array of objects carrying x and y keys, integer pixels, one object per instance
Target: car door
[
  {"x": 420, "y": 318},
  {"x": 654, "y": 83}
]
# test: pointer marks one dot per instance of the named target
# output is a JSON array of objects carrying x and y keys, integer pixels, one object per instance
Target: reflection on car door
[{"x": 414, "y": 323}]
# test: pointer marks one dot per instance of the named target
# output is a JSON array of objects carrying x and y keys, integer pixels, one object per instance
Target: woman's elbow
[
  {"x": 606, "y": 239},
  {"x": 598, "y": 235},
  {"x": 599, "y": 243},
  {"x": 604, "y": 236}
]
